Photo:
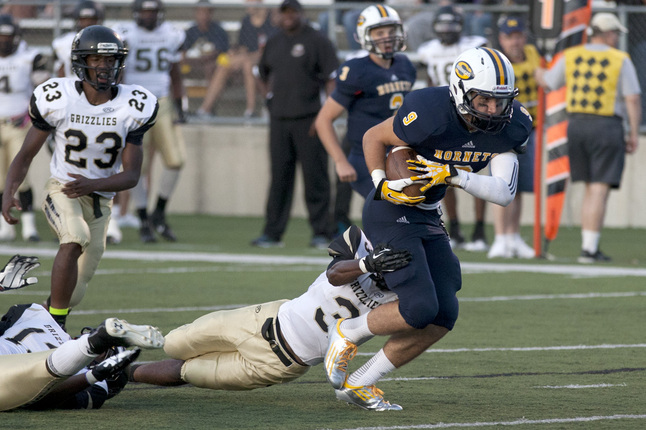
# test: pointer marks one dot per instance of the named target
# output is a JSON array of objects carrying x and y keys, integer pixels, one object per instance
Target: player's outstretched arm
[{"x": 13, "y": 274}]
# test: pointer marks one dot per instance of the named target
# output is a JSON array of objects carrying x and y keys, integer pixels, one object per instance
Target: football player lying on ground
[
  {"x": 42, "y": 367},
  {"x": 277, "y": 342}
]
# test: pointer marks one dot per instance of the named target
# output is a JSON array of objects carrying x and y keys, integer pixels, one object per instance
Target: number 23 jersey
[{"x": 89, "y": 139}]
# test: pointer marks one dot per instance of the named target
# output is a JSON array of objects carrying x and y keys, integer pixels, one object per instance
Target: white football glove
[{"x": 12, "y": 276}]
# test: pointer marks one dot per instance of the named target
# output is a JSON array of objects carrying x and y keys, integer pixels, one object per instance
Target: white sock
[
  {"x": 356, "y": 329},
  {"x": 167, "y": 182},
  {"x": 371, "y": 372},
  {"x": 70, "y": 357},
  {"x": 139, "y": 194},
  {"x": 590, "y": 240},
  {"x": 116, "y": 211}
]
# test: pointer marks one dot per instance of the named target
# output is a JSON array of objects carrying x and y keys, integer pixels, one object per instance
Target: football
[{"x": 397, "y": 168}]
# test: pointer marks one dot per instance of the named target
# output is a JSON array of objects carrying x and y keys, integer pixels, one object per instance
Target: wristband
[
  {"x": 362, "y": 265},
  {"x": 89, "y": 377},
  {"x": 377, "y": 176}
]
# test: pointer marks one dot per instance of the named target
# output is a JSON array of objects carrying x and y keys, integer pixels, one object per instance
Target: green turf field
[{"x": 539, "y": 344}]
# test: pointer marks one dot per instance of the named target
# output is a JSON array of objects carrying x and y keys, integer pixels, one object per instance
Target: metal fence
[{"x": 42, "y": 21}]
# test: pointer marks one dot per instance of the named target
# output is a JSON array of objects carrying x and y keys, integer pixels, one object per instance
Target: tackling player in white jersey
[
  {"x": 277, "y": 342},
  {"x": 99, "y": 127},
  {"x": 439, "y": 55},
  {"x": 154, "y": 63},
  {"x": 42, "y": 367},
  {"x": 21, "y": 69}
]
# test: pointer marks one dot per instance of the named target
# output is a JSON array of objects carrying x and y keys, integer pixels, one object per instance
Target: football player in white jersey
[
  {"x": 86, "y": 13},
  {"x": 41, "y": 366},
  {"x": 277, "y": 342},
  {"x": 21, "y": 69},
  {"x": 438, "y": 55},
  {"x": 99, "y": 127},
  {"x": 154, "y": 63}
]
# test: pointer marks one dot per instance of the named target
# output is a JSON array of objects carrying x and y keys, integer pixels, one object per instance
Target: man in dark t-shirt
[{"x": 297, "y": 63}]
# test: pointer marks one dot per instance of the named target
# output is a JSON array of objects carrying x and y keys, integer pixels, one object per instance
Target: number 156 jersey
[{"x": 89, "y": 139}]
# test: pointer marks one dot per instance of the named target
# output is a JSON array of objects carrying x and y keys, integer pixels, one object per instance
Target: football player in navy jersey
[
  {"x": 457, "y": 130},
  {"x": 98, "y": 127},
  {"x": 370, "y": 88}
]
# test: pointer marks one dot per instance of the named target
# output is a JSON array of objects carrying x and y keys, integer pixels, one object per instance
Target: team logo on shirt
[
  {"x": 464, "y": 71},
  {"x": 298, "y": 50}
]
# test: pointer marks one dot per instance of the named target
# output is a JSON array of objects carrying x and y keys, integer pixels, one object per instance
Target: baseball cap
[
  {"x": 511, "y": 24},
  {"x": 607, "y": 22},
  {"x": 290, "y": 4}
]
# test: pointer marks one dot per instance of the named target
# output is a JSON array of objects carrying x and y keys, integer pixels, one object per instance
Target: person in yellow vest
[
  {"x": 524, "y": 58},
  {"x": 602, "y": 91}
]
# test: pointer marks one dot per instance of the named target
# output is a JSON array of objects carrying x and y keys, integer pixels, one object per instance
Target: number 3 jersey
[
  {"x": 304, "y": 320},
  {"x": 89, "y": 139}
]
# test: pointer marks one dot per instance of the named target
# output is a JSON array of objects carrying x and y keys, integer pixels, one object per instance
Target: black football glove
[
  {"x": 12, "y": 276},
  {"x": 112, "y": 366},
  {"x": 180, "y": 110},
  {"x": 384, "y": 259}
]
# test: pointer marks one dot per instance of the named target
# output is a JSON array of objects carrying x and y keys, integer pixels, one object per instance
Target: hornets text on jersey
[
  {"x": 371, "y": 93},
  {"x": 89, "y": 139},
  {"x": 151, "y": 55}
]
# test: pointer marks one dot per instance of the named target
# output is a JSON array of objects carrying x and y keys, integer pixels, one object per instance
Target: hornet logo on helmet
[
  {"x": 361, "y": 20},
  {"x": 464, "y": 71}
]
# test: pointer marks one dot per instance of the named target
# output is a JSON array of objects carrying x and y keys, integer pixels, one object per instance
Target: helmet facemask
[
  {"x": 397, "y": 41},
  {"x": 110, "y": 76},
  {"x": 491, "y": 124},
  {"x": 448, "y": 32}
]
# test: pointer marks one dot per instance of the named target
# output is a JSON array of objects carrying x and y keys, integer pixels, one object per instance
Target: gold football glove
[
  {"x": 392, "y": 191},
  {"x": 433, "y": 172}
]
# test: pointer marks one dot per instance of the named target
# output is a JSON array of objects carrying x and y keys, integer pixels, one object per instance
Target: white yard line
[
  {"x": 579, "y": 387},
  {"x": 206, "y": 257},
  {"x": 521, "y": 422}
]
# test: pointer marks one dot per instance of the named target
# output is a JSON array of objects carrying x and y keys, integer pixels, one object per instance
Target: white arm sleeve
[{"x": 499, "y": 188}]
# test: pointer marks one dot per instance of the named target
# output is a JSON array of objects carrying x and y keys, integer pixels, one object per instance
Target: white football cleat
[
  {"x": 339, "y": 352},
  {"x": 478, "y": 245},
  {"x": 500, "y": 248},
  {"x": 144, "y": 336},
  {"x": 370, "y": 398},
  {"x": 521, "y": 249}
]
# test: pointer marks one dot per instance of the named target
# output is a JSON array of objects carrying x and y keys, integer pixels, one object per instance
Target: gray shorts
[{"x": 596, "y": 148}]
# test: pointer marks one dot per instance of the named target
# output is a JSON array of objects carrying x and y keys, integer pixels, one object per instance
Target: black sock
[
  {"x": 26, "y": 200},
  {"x": 479, "y": 231},
  {"x": 161, "y": 205},
  {"x": 143, "y": 215}
]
